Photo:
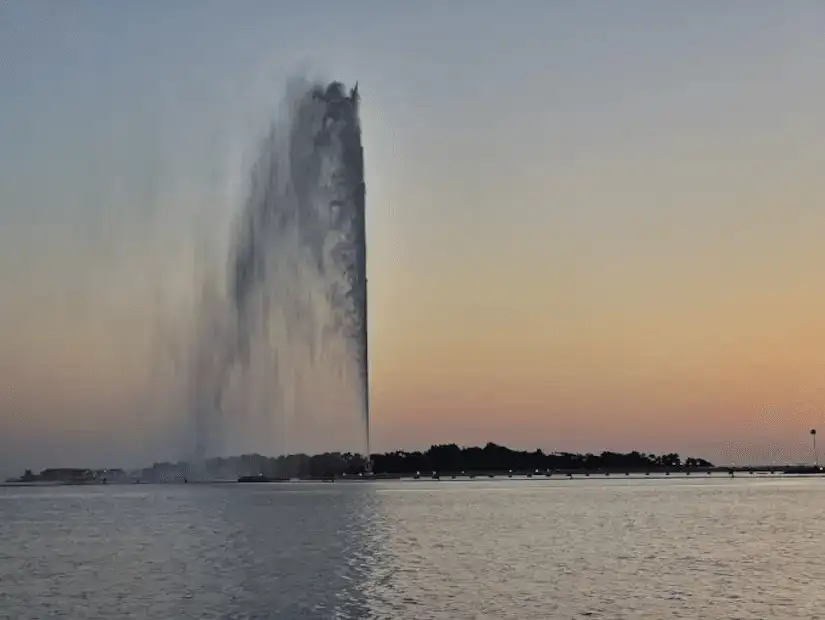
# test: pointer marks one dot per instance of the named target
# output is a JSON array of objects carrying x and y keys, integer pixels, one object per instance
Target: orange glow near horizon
[{"x": 607, "y": 241}]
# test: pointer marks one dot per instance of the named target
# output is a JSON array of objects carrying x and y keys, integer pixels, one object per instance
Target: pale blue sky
[{"x": 536, "y": 166}]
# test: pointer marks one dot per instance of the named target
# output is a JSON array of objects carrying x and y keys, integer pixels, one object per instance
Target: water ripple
[{"x": 635, "y": 550}]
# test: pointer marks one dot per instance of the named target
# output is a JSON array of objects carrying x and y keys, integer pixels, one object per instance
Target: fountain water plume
[{"x": 279, "y": 359}]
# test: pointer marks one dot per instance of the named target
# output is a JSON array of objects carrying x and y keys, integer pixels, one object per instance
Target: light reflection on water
[{"x": 499, "y": 549}]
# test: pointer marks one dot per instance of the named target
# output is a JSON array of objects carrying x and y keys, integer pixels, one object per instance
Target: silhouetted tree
[{"x": 444, "y": 459}]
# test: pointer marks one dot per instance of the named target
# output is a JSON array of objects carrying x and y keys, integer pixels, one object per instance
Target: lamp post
[{"x": 816, "y": 454}]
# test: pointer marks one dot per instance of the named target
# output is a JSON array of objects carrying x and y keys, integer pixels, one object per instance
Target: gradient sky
[{"x": 591, "y": 225}]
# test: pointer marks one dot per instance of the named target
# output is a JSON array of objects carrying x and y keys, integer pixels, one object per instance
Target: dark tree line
[
  {"x": 492, "y": 457},
  {"x": 448, "y": 458},
  {"x": 230, "y": 468}
]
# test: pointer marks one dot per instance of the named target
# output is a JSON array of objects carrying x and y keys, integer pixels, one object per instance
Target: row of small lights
[{"x": 510, "y": 472}]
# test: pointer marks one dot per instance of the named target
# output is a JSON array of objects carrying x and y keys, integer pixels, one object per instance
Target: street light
[{"x": 816, "y": 454}]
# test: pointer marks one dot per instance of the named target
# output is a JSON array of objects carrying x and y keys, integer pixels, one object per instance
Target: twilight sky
[{"x": 591, "y": 225}]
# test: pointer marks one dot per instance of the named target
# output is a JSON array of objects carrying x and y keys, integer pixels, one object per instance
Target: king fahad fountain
[{"x": 279, "y": 361}]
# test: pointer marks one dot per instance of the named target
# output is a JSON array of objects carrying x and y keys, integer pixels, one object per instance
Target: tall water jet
[{"x": 280, "y": 356}]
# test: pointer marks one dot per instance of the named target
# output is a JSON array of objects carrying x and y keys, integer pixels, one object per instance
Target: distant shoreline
[
  {"x": 445, "y": 461},
  {"x": 577, "y": 474}
]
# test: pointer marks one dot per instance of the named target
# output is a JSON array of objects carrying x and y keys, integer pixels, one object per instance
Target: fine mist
[{"x": 278, "y": 359}]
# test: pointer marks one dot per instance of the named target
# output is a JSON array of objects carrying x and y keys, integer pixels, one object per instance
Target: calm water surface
[{"x": 656, "y": 549}]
